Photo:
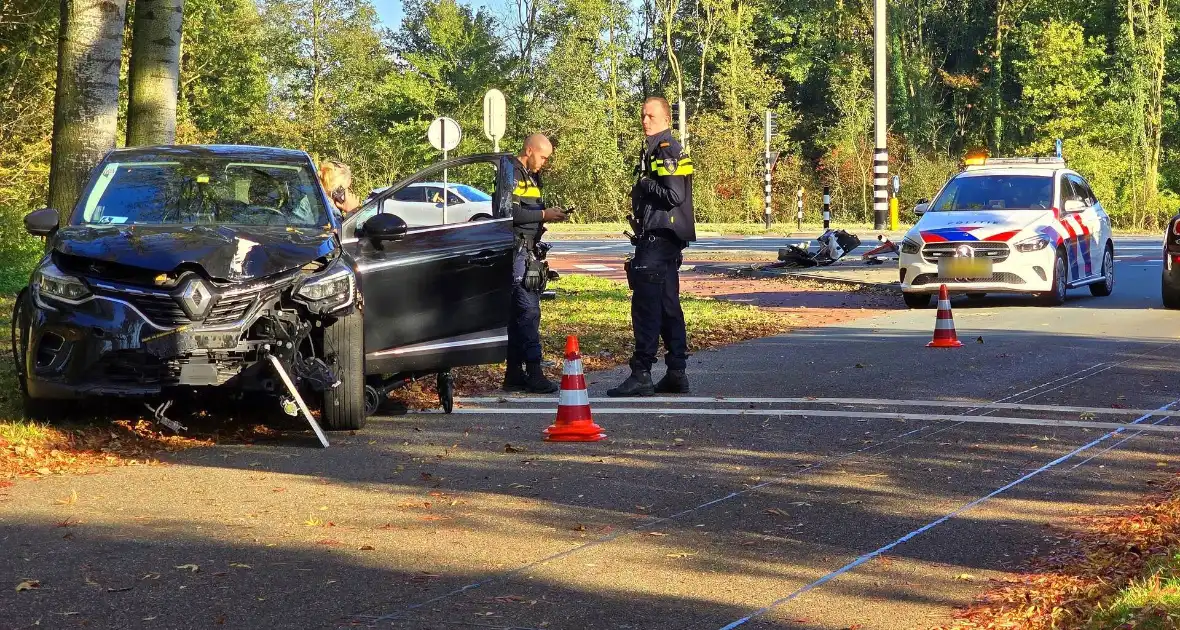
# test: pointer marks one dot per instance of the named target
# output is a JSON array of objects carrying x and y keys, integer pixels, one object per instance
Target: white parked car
[
  {"x": 1009, "y": 225},
  {"x": 421, "y": 204}
]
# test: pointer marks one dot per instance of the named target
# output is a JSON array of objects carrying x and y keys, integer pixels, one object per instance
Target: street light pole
[{"x": 881, "y": 154}]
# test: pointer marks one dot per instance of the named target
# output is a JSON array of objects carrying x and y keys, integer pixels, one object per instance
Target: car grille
[
  {"x": 1002, "y": 277},
  {"x": 163, "y": 309},
  {"x": 996, "y": 252}
]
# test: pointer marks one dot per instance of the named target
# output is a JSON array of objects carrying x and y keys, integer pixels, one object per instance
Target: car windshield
[
  {"x": 204, "y": 190},
  {"x": 996, "y": 192},
  {"x": 472, "y": 194}
]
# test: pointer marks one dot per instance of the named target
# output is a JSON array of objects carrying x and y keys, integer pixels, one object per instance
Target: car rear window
[
  {"x": 996, "y": 192},
  {"x": 203, "y": 190}
]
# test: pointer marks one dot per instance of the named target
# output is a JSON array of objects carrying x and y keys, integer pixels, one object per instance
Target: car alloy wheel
[{"x": 1106, "y": 287}]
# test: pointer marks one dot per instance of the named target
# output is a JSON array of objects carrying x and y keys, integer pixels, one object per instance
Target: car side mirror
[
  {"x": 922, "y": 208},
  {"x": 1074, "y": 205},
  {"x": 384, "y": 227},
  {"x": 42, "y": 222}
]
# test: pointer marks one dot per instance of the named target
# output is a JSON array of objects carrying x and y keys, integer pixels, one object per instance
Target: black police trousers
[
  {"x": 524, "y": 326},
  {"x": 654, "y": 277}
]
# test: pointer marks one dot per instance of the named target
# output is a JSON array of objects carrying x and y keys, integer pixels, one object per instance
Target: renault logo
[{"x": 195, "y": 299}]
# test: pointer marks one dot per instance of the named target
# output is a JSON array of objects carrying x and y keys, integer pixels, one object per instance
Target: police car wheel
[
  {"x": 1106, "y": 287},
  {"x": 1056, "y": 295},
  {"x": 344, "y": 406}
]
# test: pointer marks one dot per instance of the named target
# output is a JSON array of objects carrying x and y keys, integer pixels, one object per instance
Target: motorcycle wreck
[{"x": 834, "y": 245}]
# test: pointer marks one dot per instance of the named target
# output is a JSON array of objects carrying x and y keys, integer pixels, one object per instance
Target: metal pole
[
  {"x": 767, "y": 169},
  {"x": 442, "y": 132},
  {"x": 881, "y": 155},
  {"x": 827, "y": 208},
  {"x": 799, "y": 202}
]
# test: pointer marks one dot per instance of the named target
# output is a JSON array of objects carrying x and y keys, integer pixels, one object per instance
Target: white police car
[{"x": 1009, "y": 225}]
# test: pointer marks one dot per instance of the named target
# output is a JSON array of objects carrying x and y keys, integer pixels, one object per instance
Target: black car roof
[{"x": 233, "y": 151}]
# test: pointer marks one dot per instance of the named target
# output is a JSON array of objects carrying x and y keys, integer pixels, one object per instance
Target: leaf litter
[{"x": 1089, "y": 562}]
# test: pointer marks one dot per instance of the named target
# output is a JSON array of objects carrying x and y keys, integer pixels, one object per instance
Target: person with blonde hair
[{"x": 336, "y": 178}]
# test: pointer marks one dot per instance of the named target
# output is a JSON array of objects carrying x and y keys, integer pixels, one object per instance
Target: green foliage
[
  {"x": 325, "y": 76},
  {"x": 1061, "y": 79}
]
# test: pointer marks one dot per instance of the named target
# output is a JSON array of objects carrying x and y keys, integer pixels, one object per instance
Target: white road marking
[
  {"x": 883, "y": 402},
  {"x": 873, "y": 415}
]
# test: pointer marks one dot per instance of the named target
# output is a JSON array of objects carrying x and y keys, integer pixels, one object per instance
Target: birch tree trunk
[
  {"x": 86, "y": 103},
  {"x": 154, "y": 72}
]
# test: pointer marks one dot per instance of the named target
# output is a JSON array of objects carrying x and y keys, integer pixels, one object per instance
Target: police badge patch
[{"x": 670, "y": 165}]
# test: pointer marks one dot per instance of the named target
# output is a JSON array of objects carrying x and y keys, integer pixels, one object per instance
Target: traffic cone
[
  {"x": 574, "y": 423},
  {"x": 944, "y": 325}
]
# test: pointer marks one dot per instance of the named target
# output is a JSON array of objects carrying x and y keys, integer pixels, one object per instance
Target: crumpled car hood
[{"x": 229, "y": 253}]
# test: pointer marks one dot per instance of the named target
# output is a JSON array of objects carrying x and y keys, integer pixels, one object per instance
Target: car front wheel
[
  {"x": 916, "y": 300},
  {"x": 1170, "y": 292},
  {"x": 1106, "y": 287},
  {"x": 344, "y": 345},
  {"x": 1056, "y": 295}
]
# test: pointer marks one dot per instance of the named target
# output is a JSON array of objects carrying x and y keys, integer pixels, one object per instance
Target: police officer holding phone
[
  {"x": 530, "y": 273},
  {"x": 662, "y": 216}
]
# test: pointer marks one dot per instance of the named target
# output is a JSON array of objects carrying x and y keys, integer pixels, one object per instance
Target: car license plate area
[
  {"x": 965, "y": 268},
  {"x": 180, "y": 341}
]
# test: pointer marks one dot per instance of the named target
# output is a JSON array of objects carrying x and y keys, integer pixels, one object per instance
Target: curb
[{"x": 749, "y": 271}]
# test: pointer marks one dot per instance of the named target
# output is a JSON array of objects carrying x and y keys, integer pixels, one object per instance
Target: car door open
[{"x": 438, "y": 296}]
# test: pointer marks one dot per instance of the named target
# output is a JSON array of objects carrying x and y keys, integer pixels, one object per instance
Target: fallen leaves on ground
[
  {"x": 1087, "y": 567},
  {"x": 47, "y": 450},
  {"x": 28, "y": 585}
]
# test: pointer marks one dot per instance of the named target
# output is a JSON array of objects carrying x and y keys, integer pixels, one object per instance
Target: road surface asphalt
[{"x": 863, "y": 480}]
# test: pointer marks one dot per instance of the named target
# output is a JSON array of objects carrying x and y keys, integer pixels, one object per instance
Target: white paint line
[
  {"x": 883, "y": 402},
  {"x": 875, "y": 415},
  {"x": 929, "y": 526},
  {"x": 595, "y": 267},
  {"x": 1036, "y": 390}
]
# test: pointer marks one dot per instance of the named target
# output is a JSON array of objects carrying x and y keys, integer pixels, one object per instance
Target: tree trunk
[
  {"x": 154, "y": 72},
  {"x": 86, "y": 104}
]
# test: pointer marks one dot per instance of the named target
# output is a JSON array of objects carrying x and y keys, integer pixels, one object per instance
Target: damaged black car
[{"x": 226, "y": 268}]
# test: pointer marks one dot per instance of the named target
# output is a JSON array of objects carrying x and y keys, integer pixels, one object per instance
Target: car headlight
[
  {"x": 333, "y": 290},
  {"x": 910, "y": 247},
  {"x": 1034, "y": 244},
  {"x": 51, "y": 282}
]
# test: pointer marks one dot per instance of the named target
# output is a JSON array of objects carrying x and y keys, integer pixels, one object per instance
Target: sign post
[
  {"x": 494, "y": 117},
  {"x": 444, "y": 134}
]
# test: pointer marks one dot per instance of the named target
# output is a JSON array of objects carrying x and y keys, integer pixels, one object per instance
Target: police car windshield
[
  {"x": 203, "y": 190},
  {"x": 996, "y": 192}
]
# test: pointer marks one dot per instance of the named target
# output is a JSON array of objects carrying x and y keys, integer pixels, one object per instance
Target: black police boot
[
  {"x": 537, "y": 383},
  {"x": 674, "y": 382},
  {"x": 638, "y": 384},
  {"x": 514, "y": 378}
]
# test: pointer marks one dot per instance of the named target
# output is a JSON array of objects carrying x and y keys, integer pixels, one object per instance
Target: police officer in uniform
[
  {"x": 524, "y": 328},
  {"x": 662, "y": 215}
]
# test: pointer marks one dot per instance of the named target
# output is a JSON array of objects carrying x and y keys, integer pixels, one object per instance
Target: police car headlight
[
  {"x": 49, "y": 281},
  {"x": 1034, "y": 244},
  {"x": 910, "y": 247},
  {"x": 331, "y": 291}
]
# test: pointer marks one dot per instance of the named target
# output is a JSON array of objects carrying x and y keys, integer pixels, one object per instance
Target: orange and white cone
[
  {"x": 574, "y": 422},
  {"x": 944, "y": 325}
]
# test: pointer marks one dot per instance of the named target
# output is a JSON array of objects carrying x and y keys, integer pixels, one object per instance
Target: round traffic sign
[{"x": 444, "y": 134}]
